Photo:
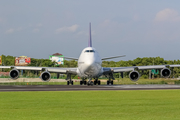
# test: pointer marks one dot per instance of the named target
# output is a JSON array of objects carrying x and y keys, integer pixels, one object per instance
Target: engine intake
[
  {"x": 45, "y": 76},
  {"x": 134, "y": 76},
  {"x": 165, "y": 72},
  {"x": 14, "y": 74}
]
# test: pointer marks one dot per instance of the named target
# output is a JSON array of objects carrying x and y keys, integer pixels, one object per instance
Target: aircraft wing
[
  {"x": 49, "y": 69},
  {"x": 174, "y": 65},
  {"x": 113, "y": 57},
  {"x": 127, "y": 69},
  {"x": 70, "y": 58}
]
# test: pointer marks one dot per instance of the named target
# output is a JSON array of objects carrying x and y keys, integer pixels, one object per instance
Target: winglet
[{"x": 90, "y": 41}]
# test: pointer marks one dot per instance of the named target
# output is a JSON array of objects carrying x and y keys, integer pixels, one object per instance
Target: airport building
[{"x": 57, "y": 57}]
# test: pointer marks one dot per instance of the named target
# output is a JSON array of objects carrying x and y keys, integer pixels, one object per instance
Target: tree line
[{"x": 10, "y": 61}]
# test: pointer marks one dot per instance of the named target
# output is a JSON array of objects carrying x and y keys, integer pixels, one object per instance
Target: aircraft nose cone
[
  {"x": 89, "y": 63},
  {"x": 89, "y": 67}
]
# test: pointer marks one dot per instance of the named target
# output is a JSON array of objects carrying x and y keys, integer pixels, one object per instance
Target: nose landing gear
[{"x": 90, "y": 83}]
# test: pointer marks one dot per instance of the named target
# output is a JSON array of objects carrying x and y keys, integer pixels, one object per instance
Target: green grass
[
  {"x": 125, "y": 81},
  {"x": 87, "y": 105},
  {"x": 149, "y": 81}
]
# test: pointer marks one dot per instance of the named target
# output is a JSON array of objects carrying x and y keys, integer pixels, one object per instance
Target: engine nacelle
[
  {"x": 14, "y": 74},
  {"x": 134, "y": 76},
  {"x": 165, "y": 72},
  {"x": 45, "y": 76}
]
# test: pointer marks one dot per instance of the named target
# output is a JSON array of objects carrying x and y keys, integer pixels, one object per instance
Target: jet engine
[
  {"x": 165, "y": 72},
  {"x": 134, "y": 76},
  {"x": 14, "y": 74},
  {"x": 45, "y": 76}
]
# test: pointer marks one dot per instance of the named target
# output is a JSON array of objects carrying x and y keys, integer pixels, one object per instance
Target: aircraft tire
[
  {"x": 107, "y": 82},
  {"x": 85, "y": 82},
  {"x": 88, "y": 84},
  {"x": 95, "y": 82},
  {"x": 91, "y": 83},
  {"x": 71, "y": 82},
  {"x": 81, "y": 82},
  {"x": 111, "y": 82},
  {"x": 67, "y": 82},
  {"x": 99, "y": 82}
]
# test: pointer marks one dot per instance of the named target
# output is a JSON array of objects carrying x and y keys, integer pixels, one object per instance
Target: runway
[{"x": 83, "y": 88}]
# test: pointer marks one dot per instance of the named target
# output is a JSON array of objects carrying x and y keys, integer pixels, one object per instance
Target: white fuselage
[{"x": 89, "y": 64}]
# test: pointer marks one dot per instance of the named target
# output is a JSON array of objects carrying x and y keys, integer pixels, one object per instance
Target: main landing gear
[
  {"x": 69, "y": 79},
  {"x": 96, "y": 81},
  {"x": 83, "y": 82},
  {"x": 70, "y": 82},
  {"x": 110, "y": 82}
]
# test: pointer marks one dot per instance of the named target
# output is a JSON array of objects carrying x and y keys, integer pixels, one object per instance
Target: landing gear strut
[
  {"x": 90, "y": 82},
  {"x": 70, "y": 80},
  {"x": 110, "y": 81}
]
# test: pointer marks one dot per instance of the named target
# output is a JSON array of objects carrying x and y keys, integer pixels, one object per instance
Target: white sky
[{"x": 135, "y": 28}]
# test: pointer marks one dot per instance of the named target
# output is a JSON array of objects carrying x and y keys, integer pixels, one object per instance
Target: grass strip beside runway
[
  {"x": 87, "y": 105},
  {"x": 124, "y": 81}
]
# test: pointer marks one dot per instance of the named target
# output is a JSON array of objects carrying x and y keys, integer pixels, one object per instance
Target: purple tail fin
[{"x": 90, "y": 41}]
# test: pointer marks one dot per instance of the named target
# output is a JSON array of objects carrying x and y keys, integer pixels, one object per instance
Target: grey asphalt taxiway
[{"x": 84, "y": 87}]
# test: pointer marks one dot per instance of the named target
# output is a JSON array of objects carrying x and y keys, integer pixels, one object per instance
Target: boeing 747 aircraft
[{"x": 90, "y": 67}]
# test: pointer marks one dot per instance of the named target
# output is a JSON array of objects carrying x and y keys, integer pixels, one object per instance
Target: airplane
[{"x": 89, "y": 67}]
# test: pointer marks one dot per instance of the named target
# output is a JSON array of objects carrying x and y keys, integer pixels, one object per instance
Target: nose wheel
[{"x": 90, "y": 83}]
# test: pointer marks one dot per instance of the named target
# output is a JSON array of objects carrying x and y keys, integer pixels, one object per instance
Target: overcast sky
[{"x": 135, "y": 28}]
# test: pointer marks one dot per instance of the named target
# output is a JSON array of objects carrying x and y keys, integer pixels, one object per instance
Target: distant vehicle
[{"x": 89, "y": 67}]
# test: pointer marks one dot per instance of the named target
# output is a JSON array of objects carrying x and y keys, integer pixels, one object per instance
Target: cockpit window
[
  {"x": 89, "y": 51},
  {"x": 92, "y": 51}
]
